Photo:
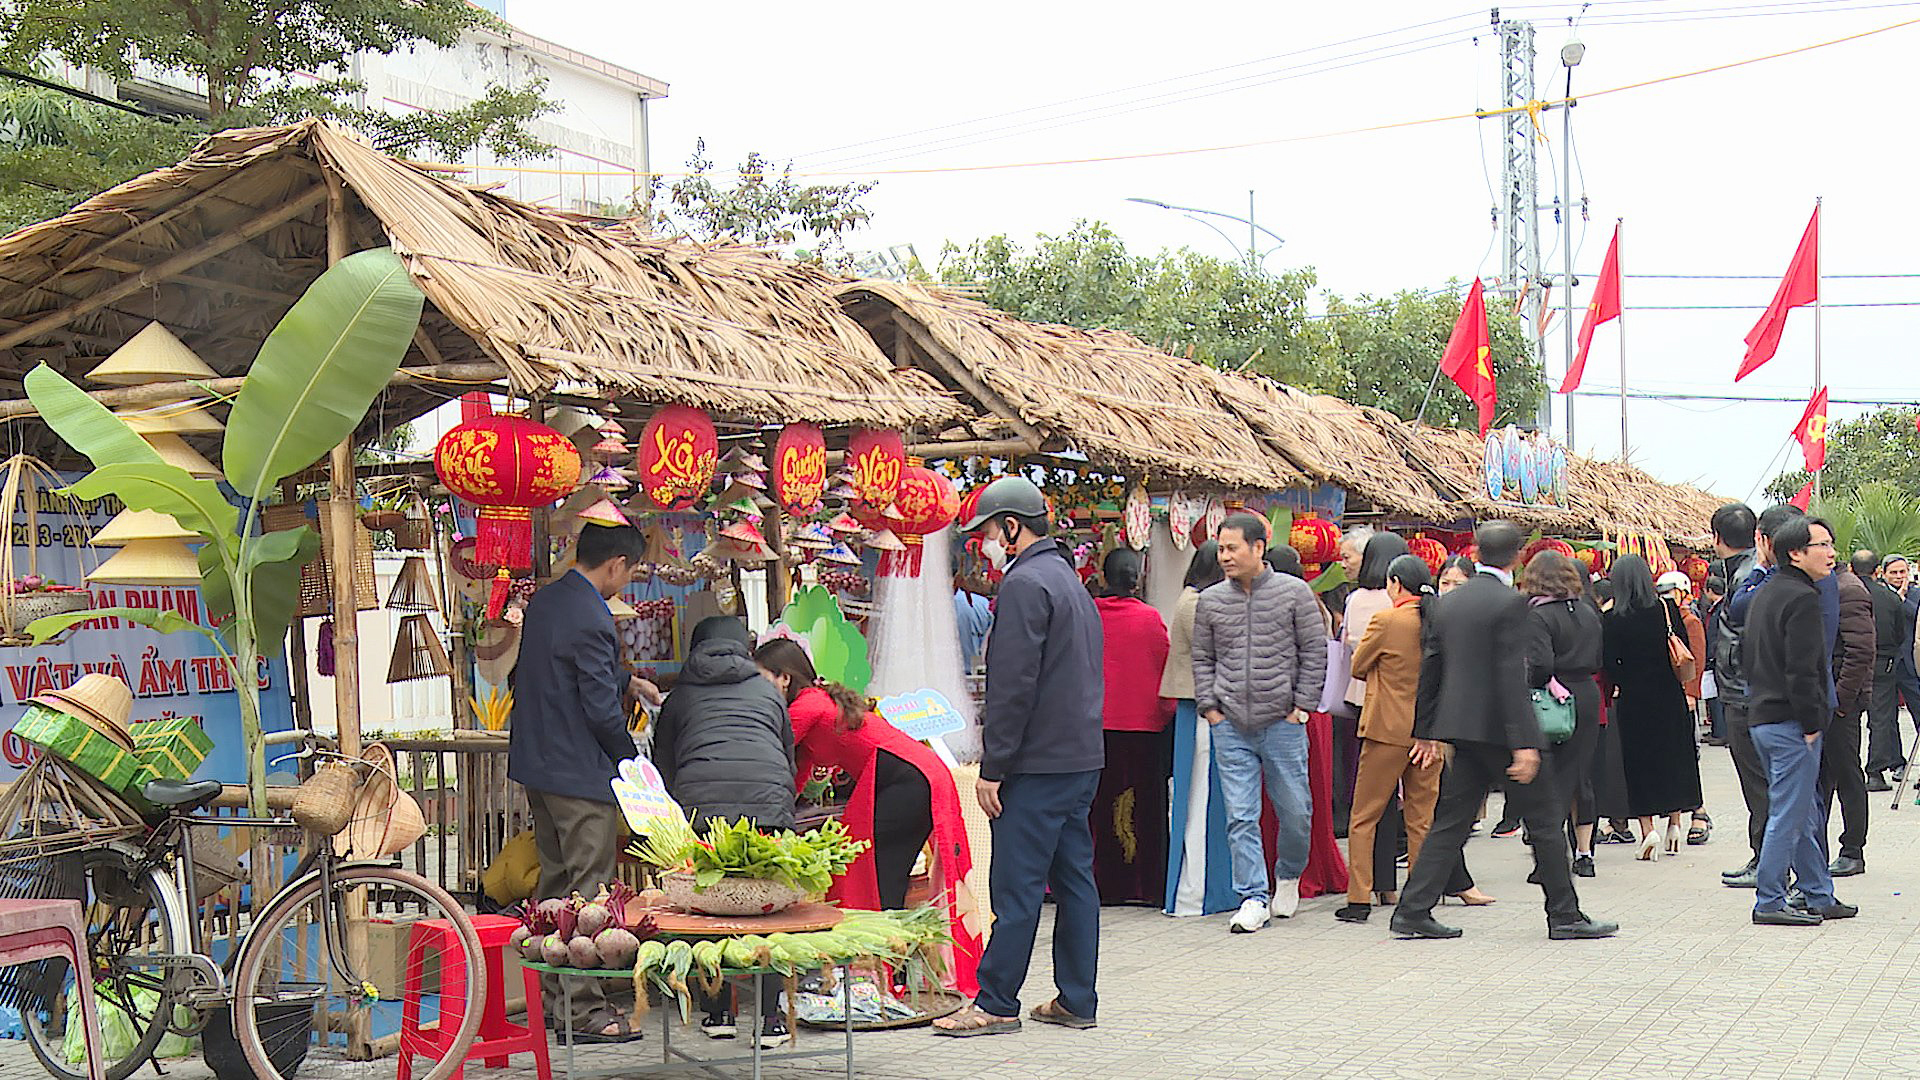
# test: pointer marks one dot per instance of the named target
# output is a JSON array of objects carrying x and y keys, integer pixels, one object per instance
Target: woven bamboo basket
[{"x": 324, "y": 804}]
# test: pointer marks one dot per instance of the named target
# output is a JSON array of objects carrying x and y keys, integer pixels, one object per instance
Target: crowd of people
[{"x": 1204, "y": 765}]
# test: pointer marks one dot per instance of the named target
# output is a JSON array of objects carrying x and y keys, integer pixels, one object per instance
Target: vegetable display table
[{"x": 676, "y": 1060}]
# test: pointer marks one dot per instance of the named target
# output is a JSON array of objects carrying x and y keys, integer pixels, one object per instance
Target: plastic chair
[
  {"x": 497, "y": 1037},
  {"x": 33, "y": 930}
]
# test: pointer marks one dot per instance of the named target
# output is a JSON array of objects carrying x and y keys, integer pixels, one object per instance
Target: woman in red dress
[{"x": 903, "y": 795}]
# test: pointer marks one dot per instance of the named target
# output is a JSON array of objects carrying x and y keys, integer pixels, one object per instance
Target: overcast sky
[{"x": 1714, "y": 174}]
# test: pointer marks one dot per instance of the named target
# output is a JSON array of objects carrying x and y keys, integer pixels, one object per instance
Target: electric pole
[{"x": 1518, "y": 209}]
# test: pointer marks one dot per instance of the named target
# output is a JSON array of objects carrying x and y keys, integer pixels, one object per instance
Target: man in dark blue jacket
[
  {"x": 569, "y": 735},
  {"x": 1042, "y": 752}
]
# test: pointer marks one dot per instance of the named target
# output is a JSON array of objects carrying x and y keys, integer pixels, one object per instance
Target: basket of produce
[
  {"x": 735, "y": 869},
  {"x": 582, "y": 934}
]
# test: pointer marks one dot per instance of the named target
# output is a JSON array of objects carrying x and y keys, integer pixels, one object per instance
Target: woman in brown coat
[{"x": 1388, "y": 658}]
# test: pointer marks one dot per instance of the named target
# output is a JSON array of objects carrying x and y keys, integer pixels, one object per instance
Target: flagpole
[
  {"x": 1618, "y": 225},
  {"x": 1817, "y": 382}
]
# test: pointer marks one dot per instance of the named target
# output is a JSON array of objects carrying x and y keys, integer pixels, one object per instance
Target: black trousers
[
  {"x": 902, "y": 821},
  {"x": 1840, "y": 774},
  {"x": 1883, "y": 715},
  {"x": 1476, "y": 767},
  {"x": 1752, "y": 773}
]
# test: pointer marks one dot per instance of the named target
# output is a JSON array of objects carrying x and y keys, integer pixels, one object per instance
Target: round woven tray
[
  {"x": 934, "y": 1004},
  {"x": 799, "y": 919}
]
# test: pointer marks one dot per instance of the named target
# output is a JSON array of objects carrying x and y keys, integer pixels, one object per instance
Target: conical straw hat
[
  {"x": 187, "y": 416},
  {"x": 620, "y": 609},
  {"x": 149, "y": 562},
  {"x": 130, "y": 525},
  {"x": 102, "y": 701},
  {"x": 174, "y": 451},
  {"x": 152, "y": 355}
]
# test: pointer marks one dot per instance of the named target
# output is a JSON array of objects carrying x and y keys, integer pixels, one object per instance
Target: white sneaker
[
  {"x": 1251, "y": 916},
  {"x": 1286, "y": 898}
]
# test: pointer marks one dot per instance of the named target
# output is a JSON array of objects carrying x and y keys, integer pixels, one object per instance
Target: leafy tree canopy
[
  {"x": 763, "y": 205},
  {"x": 1234, "y": 315},
  {"x": 1883, "y": 445}
]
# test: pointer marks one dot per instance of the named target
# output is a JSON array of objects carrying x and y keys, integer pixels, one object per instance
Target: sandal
[
  {"x": 971, "y": 1021},
  {"x": 606, "y": 1026},
  {"x": 1702, "y": 830},
  {"x": 1055, "y": 1013}
]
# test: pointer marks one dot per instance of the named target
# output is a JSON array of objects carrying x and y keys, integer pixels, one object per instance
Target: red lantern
[
  {"x": 1591, "y": 558},
  {"x": 1545, "y": 543},
  {"x": 506, "y": 466},
  {"x": 800, "y": 468},
  {"x": 926, "y": 503},
  {"x": 1431, "y": 551},
  {"x": 1696, "y": 569},
  {"x": 876, "y": 459},
  {"x": 679, "y": 451},
  {"x": 1316, "y": 539}
]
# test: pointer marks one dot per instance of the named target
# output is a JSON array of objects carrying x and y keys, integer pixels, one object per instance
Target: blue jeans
[
  {"x": 1795, "y": 818},
  {"x": 1042, "y": 838},
  {"x": 1276, "y": 753}
]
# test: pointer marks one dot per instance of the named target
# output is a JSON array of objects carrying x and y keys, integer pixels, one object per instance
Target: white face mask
[{"x": 995, "y": 552}]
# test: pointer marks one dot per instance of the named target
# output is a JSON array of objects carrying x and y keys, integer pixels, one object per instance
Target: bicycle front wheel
[{"x": 333, "y": 971}]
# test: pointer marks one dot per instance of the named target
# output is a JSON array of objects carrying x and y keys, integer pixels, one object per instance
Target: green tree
[
  {"x": 762, "y": 206},
  {"x": 1877, "y": 516},
  {"x": 1385, "y": 353},
  {"x": 1883, "y": 445},
  {"x": 256, "y": 60},
  {"x": 1226, "y": 313},
  {"x": 1232, "y": 315}
]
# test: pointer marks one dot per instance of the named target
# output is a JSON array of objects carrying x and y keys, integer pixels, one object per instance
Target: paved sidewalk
[{"x": 1689, "y": 989}]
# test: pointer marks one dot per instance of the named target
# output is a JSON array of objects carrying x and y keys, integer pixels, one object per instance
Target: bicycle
[{"x": 294, "y": 989}]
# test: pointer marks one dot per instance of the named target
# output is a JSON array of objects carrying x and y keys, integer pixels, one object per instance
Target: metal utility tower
[{"x": 1520, "y": 268}]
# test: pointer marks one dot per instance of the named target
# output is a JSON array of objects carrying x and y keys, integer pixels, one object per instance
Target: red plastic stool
[
  {"x": 496, "y": 1037},
  {"x": 39, "y": 929}
]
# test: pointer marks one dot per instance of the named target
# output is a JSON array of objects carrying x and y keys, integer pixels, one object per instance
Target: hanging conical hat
[
  {"x": 174, "y": 451},
  {"x": 130, "y": 525},
  {"x": 839, "y": 553},
  {"x": 620, "y": 609},
  {"x": 152, "y": 355},
  {"x": 184, "y": 417},
  {"x": 603, "y": 513},
  {"x": 149, "y": 562},
  {"x": 884, "y": 540},
  {"x": 608, "y": 478}
]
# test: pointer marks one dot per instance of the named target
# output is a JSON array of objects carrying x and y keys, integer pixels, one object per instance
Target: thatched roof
[
  {"x": 1103, "y": 393},
  {"x": 218, "y": 246}
]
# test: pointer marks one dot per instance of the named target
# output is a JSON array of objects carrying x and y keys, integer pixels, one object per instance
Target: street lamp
[
  {"x": 1571, "y": 54},
  {"x": 1253, "y": 254}
]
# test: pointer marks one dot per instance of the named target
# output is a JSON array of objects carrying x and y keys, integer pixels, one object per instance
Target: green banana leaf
[
  {"x": 45, "y": 629},
  {"x": 193, "y": 502},
  {"x": 274, "y": 561},
  {"x": 84, "y": 423},
  {"x": 1331, "y": 578},
  {"x": 315, "y": 375}
]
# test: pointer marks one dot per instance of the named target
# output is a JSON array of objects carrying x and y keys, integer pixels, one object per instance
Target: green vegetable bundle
[{"x": 806, "y": 861}]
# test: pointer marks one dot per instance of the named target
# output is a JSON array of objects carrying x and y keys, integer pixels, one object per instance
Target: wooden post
[{"x": 297, "y": 651}]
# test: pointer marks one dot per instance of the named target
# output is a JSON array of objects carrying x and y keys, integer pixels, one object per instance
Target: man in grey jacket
[{"x": 1259, "y": 663}]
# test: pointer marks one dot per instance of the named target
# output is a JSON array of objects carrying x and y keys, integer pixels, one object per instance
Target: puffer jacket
[
  {"x": 723, "y": 741},
  {"x": 1259, "y": 652}
]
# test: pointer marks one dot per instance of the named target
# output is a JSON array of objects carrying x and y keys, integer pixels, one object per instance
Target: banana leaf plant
[{"x": 310, "y": 385}]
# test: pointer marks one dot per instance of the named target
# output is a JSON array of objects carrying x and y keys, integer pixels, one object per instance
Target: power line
[
  {"x": 76, "y": 92},
  {"x": 1668, "y": 395}
]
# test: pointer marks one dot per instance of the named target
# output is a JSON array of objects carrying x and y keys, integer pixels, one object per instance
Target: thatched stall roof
[
  {"x": 218, "y": 246},
  {"x": 1103, "y": 393}
]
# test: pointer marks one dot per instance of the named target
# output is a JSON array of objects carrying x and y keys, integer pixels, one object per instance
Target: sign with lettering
[
  {"x": 921, "y": 714},
  {"x": 876, "y": 459},
  {"x": 800, "y": 468},
  {"x": 173, "y": 676},
  {"x": 679, "y": 451},
  {"x": 642, "y": 795}
]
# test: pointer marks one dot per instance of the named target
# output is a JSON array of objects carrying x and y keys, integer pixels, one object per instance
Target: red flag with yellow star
[
  {"x": 1605, "y": 305},
  {"x": 1468, "y": 360},
  {"x": 1812, "y": 431}
]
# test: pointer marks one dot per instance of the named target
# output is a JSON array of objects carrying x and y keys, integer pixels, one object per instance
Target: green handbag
[{"x": 1553, "y": 707}]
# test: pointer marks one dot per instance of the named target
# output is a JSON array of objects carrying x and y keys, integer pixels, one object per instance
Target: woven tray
[{"x": 798, "y": 919}]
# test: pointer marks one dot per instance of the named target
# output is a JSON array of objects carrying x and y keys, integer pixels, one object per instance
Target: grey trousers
[
  {"x": 579, "y": 841},
  {"x": 1753, "y": 774}
]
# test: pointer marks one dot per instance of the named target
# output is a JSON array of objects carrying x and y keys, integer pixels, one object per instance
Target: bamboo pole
[{"x": 152, "y": 393}]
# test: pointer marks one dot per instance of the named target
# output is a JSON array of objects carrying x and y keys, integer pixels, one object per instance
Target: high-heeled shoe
[
  {"x": 1472, "y": 898},
  {"x": 1676, "y": 836},
  {"x": 1649, "y": 847}
]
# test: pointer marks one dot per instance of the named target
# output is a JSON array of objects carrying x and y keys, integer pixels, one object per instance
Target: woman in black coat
[
  {"x": 1564, "y": 644},
  {"x": 1662, "y": 763}
]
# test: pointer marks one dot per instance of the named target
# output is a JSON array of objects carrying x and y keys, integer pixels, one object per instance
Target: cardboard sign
[
  {"x": 642, "y": 795},
  {"x": 922, "y": 714}
]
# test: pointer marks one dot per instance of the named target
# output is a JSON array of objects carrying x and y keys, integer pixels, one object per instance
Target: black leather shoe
[
  {"x": 1354, "y": 913},
  {"x": 1836, "y": 910},
  {"x": 1748, "y": 880},
  {"x": 1422, "y": 926},
  {"x": 1848, "y": 866},
  {"x": 1796, "y": 899},
  {"x": 1583, "y": 866},
  {"x": 1584, "y": 930},
  {"x": 1877, "y": 782},
  {"x": 1752, "y": 865},
  {"x": 1786, "y": 917}
]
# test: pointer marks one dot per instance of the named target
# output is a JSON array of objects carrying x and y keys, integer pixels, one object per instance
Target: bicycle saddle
[{"x": 182, "y": 794}]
